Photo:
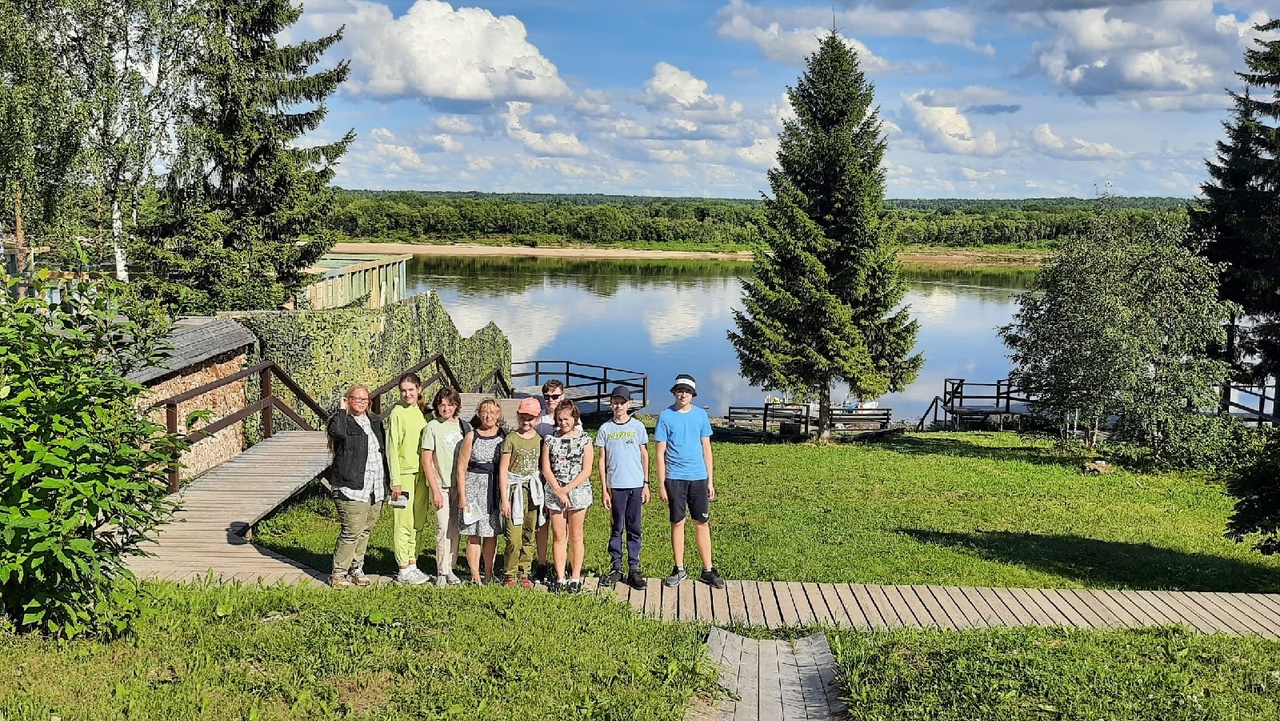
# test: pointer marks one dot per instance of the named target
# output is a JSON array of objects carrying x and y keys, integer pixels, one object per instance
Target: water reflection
[{"x": 662, "y": 318}]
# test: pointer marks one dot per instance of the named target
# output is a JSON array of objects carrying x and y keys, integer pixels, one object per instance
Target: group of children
[{"x": 532, "y": 485}]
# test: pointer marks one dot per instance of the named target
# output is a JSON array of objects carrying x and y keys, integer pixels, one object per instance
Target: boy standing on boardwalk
[
  {"x": 624, "y": 474},
  {"x": 685, "y": 470}
]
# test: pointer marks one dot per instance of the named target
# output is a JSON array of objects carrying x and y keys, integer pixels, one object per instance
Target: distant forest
[{"x": 604, "y": 219}]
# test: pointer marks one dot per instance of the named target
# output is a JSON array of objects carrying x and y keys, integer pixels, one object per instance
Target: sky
[{"x": 978, "y": 98}]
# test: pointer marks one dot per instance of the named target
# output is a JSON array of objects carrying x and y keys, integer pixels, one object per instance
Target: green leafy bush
[
  {"x": 83, "y": 471},
  {"x": 1193, "y": 441},
  {"x": 1256, "y": 488}
]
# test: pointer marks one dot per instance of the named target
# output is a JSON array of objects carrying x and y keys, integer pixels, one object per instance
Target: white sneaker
[
  {"x": 411, "y": 576},
  {"x": 454, "y": 580}
]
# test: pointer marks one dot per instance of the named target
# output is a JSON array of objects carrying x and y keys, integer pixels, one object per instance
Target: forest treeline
[{"x": 530, "y": 217}]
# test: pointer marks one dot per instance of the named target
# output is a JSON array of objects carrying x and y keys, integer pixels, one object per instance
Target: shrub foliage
[{"x": 82, "y": 485}]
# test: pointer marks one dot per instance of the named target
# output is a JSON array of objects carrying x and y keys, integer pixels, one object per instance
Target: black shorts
[{"x": 690, "y": 494}]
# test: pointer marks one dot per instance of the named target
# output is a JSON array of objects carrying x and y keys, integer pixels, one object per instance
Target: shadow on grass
[
  {"x": 1109, "y": 564},
  {"x": 959, "y": 448}
]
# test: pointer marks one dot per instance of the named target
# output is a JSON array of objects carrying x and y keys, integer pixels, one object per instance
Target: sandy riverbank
[{"x": 942, "y": 258}]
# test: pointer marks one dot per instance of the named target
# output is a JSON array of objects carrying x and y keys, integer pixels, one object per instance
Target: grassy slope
[
  {"x": 961, "y": 509},
  {"x": 1037, "y": 674},
  {"x": 389, "y": 653}
]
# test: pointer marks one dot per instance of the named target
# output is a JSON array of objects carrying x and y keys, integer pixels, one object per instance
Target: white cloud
[
  {"x": 1162, "y": 55},
  {"x": 788, "y": 26},
  {"x": 680, "y": 91},
  {"x": 553, "y": 143},
  {"x": 792, "y": 46},
  {"x": 457, "y": 125},
  {"x": 943, "y": 128},
  {"x": 1047, "y": 142},
  {"x": 435, "y": 51}
]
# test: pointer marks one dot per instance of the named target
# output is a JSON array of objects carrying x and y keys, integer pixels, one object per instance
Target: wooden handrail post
[
  {"x": 264, "y": 385},
  {"x": 764, "y": 419},
  {"x": 171, "y": 424}
]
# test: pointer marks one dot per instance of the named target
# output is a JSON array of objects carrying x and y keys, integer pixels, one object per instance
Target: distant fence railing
[{"x": 592, "y": 383}]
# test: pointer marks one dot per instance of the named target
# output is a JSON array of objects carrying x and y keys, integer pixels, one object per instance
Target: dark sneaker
[
  {"x": 540, "y": 575},
  {"x": 636, "y": 581},
  {"x": 611, "y": 578},
  {"x": 575, "y": 585},
  {"x": 558, "y": 585},
  {"x": 677, "y": 575},
  {"x": 712, "y": 578}
]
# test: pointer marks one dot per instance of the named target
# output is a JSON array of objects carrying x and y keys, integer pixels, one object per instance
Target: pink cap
[{"x": 530, "y": 407}]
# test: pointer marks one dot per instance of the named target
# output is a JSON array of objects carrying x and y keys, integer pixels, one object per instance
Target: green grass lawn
[
  {"x": 1038, "y": 674},
  {"x": 236, "y": 652},
  {"x": 987, "y": 509}
]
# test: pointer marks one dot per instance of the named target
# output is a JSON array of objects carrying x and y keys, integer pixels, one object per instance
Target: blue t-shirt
[
  {"x": 683, "y": 434},
  {"x": 622, "y": 443}
]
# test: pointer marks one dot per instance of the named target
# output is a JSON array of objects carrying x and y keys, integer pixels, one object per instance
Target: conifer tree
[
  {"x": 242, "y": 208},
  {"x": 1241, "y": 209},
  {"x": 822, "y": 303}
]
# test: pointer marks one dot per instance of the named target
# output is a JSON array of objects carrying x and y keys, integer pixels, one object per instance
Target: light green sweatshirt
[{"x": 404, "y": 435}]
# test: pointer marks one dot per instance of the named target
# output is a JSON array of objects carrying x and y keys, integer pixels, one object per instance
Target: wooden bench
[
  {"x": 776, "y": 414},
  {"x": 844, "y": 420}
]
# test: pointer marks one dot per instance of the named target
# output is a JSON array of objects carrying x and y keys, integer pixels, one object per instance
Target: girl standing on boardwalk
[
  {"x": 358, "y": 479},
  {"x": 440, "y": 444},
  {"x": 478, "y": 497},
  {"x": 408, "y": 514},
  {"x": 566, "y": 467}
]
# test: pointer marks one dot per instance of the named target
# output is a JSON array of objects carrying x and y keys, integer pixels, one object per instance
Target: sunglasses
[{"x": 552, "y": 397}]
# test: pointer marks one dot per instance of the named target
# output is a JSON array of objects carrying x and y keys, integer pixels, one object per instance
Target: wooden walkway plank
[
  {"x": 857, "y": 615},
  {"x": 821, "y": 613},
  {"x": 937, "y": 614},
  {"x": 1174, "y": 610},
  {"x": 1227, "y": 617},
  {"x": 1105, "y": 618},
  {"x": 968, "y": 604},
  {"x": 1019, "y": 602},
  {"x": 898, "y": 606},
  {"x": 684, "y": 601},
  {"x": 795, "y": 611},
  {"x": 737, "y": 602},
  {"x": 669, "y": 601},
  {"x": 770, "y": 604},
  {"x": 754, "y": 608},
  {"x": 1066, "y": 606},
  {"x": 702, "y": 610},
  {"x": 835, "y": 605}
]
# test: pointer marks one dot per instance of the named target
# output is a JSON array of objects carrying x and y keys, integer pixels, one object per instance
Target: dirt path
[{"x": 943, "y": 258}]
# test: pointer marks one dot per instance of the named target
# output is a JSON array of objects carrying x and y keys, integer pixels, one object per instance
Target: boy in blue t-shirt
[
  {"x": 685, "y": 470},
  {"x": 624, "y": 473}
]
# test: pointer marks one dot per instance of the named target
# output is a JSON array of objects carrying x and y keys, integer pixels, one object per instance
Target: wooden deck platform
[{"x": 206, "y": 536}]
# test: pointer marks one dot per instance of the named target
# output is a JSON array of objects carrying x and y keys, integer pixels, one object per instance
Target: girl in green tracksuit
[{"x": 404, "y": 436}]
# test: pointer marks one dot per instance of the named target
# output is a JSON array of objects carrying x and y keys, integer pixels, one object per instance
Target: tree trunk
[
  {"x": 1224, "y": 402},
  {"x": 824, "y": 414},
  {"x": 117, "y": 240}
]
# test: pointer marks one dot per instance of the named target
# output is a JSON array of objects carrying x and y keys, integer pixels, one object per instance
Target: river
[{"x": 665, "y": 317}]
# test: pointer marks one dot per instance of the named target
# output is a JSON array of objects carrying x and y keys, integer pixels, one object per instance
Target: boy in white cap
[
  {"x": 685, "y": 477},
  {"x": 624, "y": 474}
]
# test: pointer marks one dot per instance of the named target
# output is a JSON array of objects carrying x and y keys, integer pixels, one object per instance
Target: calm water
[{"x": 664, "y": 318}]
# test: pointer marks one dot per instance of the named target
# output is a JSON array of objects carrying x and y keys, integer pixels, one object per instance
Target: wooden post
[
  {"x": 171, "y": 424},
  {"x": 764, "y": 419},
  {"x": 264, "y": 386}
]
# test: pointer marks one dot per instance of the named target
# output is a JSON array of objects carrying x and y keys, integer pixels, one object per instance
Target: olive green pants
[{"x": 357, "y": 519}]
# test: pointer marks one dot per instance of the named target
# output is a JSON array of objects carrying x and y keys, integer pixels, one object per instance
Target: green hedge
[{"x": 326, "y": 351}]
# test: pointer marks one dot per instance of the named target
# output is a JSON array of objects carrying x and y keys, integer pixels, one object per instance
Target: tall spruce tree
[
  {"x": 242, "y": 208},
  {"x": 1241, "y": 208},
  {"x": 822, "y": 303}
]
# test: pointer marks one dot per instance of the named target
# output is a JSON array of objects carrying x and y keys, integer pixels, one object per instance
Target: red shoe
[
  {"x": 509, "y": 583},
  {"x": 528, "y": 585}
]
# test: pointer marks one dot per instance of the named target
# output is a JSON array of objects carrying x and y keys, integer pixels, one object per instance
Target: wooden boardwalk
[
  {"x": 778, "y": 604},
  {"x": 783, "y": 680},
  {"x": 206, "y": 537}
]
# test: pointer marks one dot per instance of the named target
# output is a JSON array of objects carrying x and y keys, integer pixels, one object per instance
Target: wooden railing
[
  {"x": 267, "y": 404},
  {"x": 958, "y": 393},
  {"x": 443, "y": 375},
  {"x": 1254, "y": 414},
  {"x": 595, "y": 382}
]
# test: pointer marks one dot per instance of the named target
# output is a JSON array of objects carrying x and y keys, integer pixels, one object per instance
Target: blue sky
[{"x": 980, "y": 98}]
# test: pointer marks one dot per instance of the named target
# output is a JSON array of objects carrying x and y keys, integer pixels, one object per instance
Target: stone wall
[
  {"x": 221, "y": 402},
  {"x": 326, "y": 351}
]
